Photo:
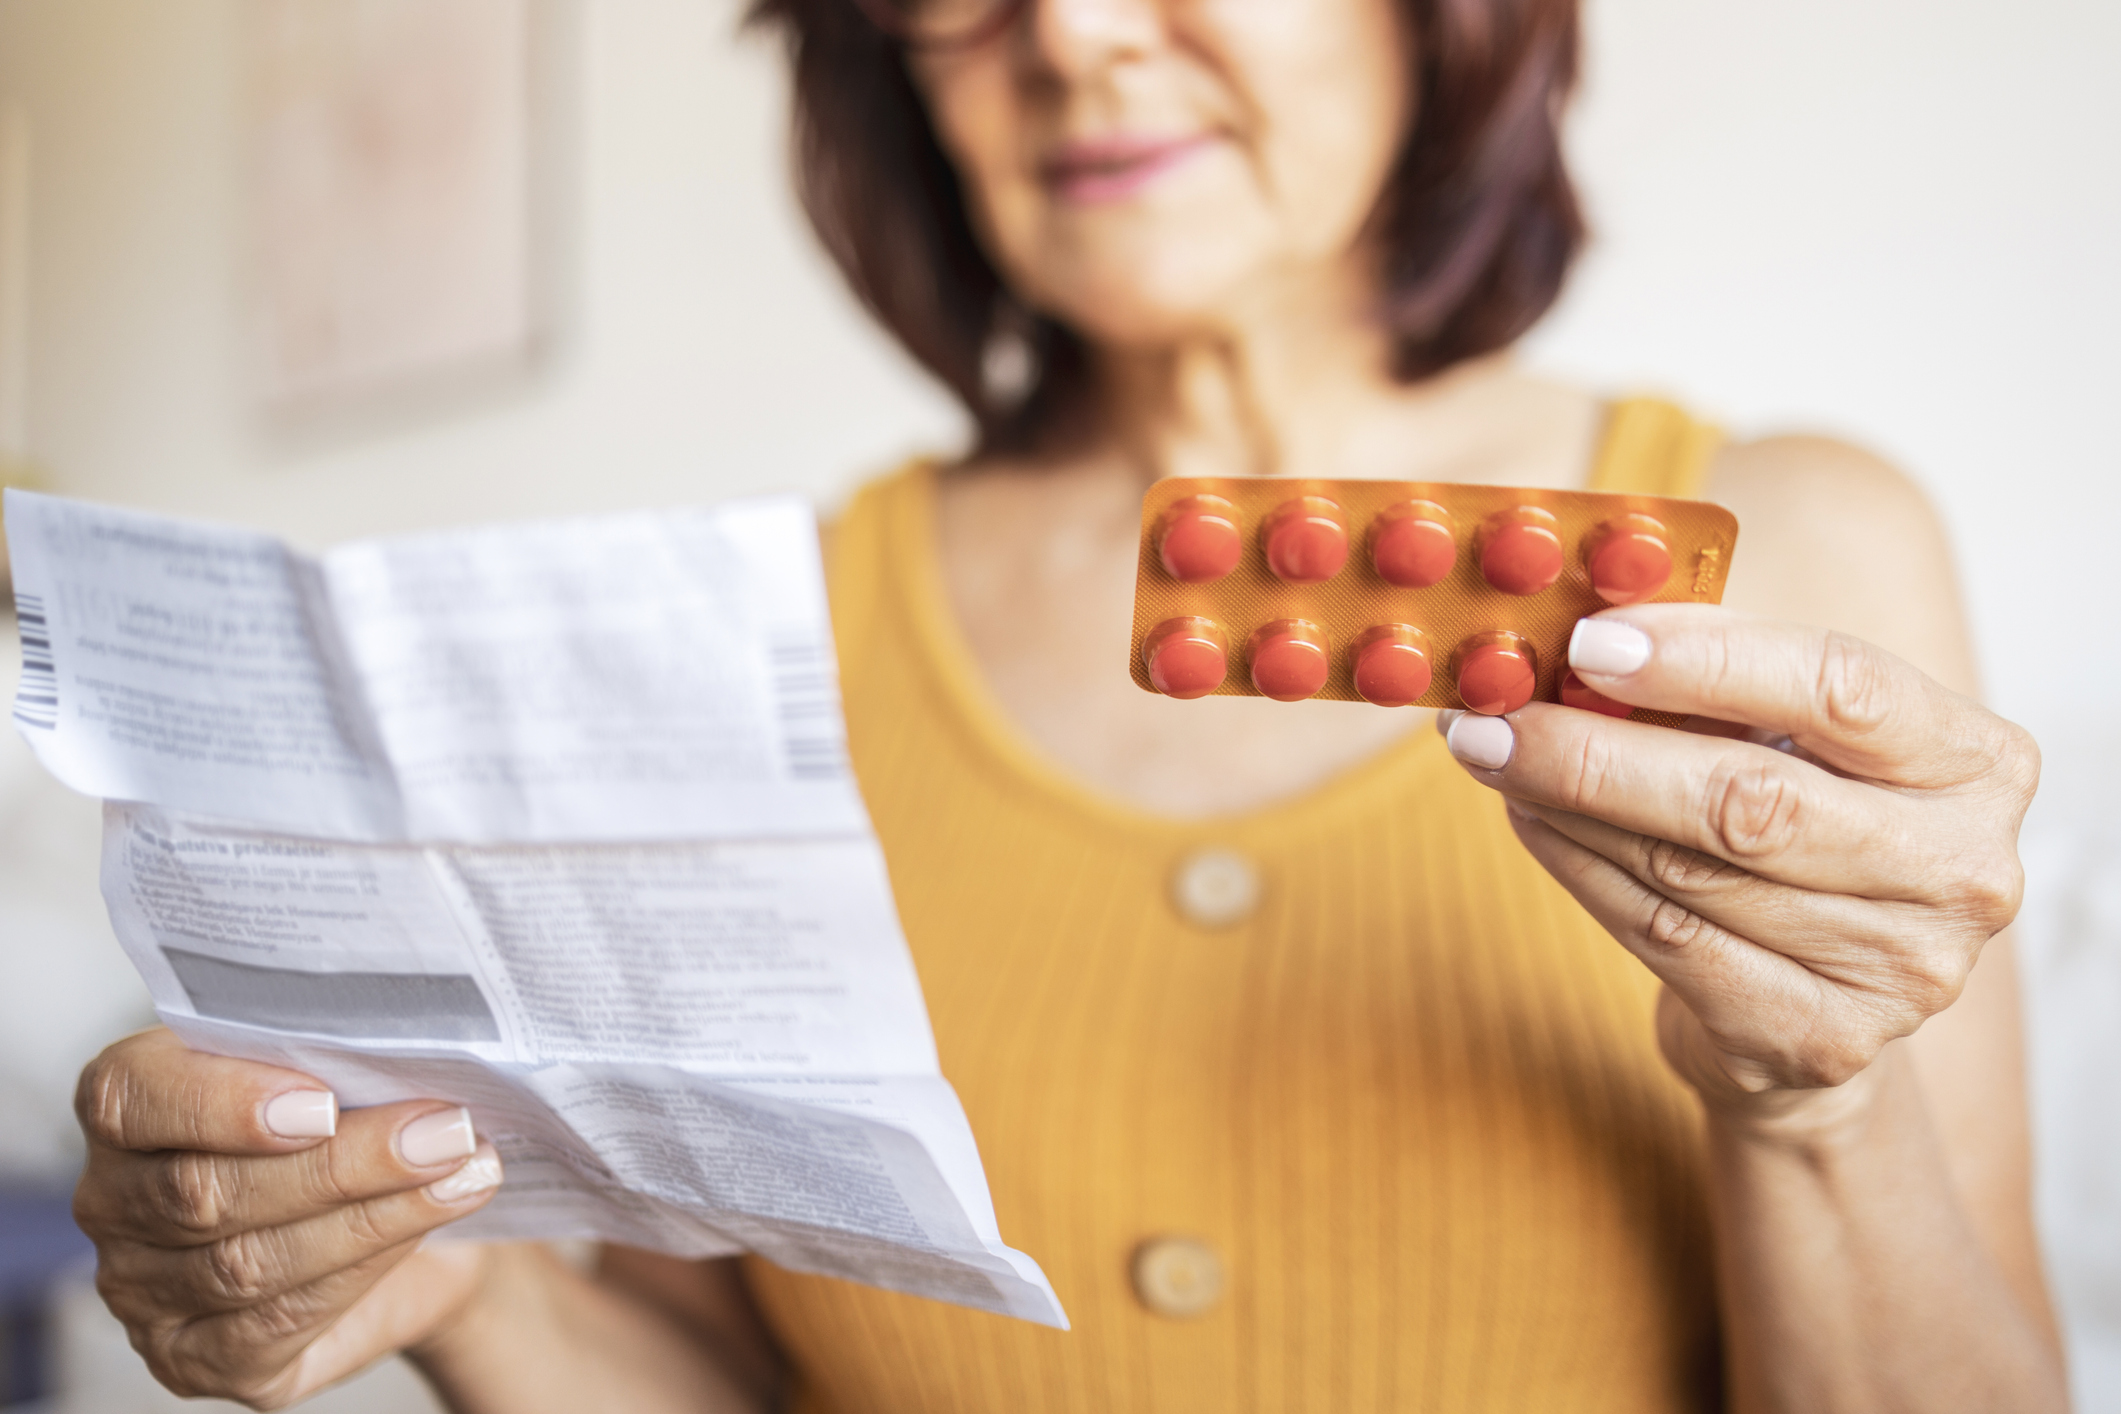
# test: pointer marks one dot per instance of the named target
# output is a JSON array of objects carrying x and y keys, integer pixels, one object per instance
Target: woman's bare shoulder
[
  {"x": 1834, "y": 535},
  {"x": 1802, "y": 475}
]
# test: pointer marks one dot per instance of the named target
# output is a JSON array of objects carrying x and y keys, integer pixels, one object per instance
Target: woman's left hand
[{"x": 1805, "y": 901}]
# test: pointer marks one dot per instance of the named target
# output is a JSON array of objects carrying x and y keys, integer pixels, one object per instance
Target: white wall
[
  {"x": 1898, "y": 220},
  {"x": 702, "y": 350},
  {"x": 1893, "y": 220},
  {"x": 1901, "y": 222}
]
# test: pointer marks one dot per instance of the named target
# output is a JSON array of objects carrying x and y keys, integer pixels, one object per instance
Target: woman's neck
[
  {"x": 1314, "y": 397},
  {"x": 1265, "y": 391}
]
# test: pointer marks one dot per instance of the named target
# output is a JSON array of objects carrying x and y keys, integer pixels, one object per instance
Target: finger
[
  {"x": 1755, "y": 1004},
  {"x": 151, "y": 1091},
  {"x": 1856, "y": 706},
  {"x": 1776, "y": 816},
  {"x": 255, "y": 1354},
  {"x": 407, "y": 1302},
  {"x": 275, "y": 1355},
  {"x": 258, "y": 1265},
  {"x": 1855, "y": 943},
  {"x": 404, "y": 1300},
  {"x": 187, "y": 1197}
]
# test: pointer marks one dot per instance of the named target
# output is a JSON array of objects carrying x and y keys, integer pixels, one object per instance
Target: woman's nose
[{"x": 1078, "y": 37}]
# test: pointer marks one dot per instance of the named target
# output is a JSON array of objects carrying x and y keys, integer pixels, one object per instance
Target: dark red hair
[{"x": 1477, "y": 223}]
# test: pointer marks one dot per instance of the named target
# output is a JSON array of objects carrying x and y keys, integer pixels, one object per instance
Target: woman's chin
[
  {"x": 1146, "y": 299},
  {"x": 1143, "y": 325}
]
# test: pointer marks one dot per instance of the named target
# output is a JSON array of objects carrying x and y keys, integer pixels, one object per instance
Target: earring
[{"x": 1009, "y": 365}]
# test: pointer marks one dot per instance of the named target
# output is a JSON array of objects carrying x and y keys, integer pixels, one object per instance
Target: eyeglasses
[{"x": 942, "y": 24}]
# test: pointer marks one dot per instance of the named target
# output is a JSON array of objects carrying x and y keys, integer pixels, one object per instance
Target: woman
[{"x": 1304, "y": 1082}]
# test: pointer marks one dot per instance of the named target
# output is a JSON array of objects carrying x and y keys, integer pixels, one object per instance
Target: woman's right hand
[{"x": 257, "y": 1244}]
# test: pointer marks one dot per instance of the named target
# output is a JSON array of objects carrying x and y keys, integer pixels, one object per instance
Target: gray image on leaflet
[{"x": 369, "y": 1005}]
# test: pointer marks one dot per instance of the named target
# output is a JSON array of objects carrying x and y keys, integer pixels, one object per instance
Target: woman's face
[{"x": 1150, "y": 170}]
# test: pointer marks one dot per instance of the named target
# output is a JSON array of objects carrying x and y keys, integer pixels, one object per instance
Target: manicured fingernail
[
  {"x": 1481, "y": 741},
  {"x": 437, "y": 1138},
  {"x": 1444, "y": 718},
  {"x": 480, "y": 1172},
  {"x": 1517, "y": 808},
  {"x": 303, "y": 1114},
  {"x": 1608, "y": 647}
]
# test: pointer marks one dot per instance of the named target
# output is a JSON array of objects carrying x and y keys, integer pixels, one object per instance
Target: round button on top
[
  {"x": 1215, "y": 887},
  {"x": 1177, "y": 1277}
]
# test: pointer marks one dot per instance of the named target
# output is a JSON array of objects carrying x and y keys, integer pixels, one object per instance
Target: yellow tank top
[{"x": 1412, "y": 1100}]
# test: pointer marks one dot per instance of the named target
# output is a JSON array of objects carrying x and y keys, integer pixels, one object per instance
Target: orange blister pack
[{"x": 1402, "y": 593}]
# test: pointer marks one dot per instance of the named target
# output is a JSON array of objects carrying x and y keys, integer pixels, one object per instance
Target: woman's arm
[
  {"x": 1926, "y": 1185},
  {"x": 1808, "y": 911},
  {"x": 1853, "y": 1274}
]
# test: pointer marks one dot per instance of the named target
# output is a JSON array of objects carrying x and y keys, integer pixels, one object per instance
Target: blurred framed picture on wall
[{"x": 391, "y": 163}]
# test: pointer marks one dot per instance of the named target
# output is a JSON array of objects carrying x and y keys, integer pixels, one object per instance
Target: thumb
[{"x": 420, "y": 1296}]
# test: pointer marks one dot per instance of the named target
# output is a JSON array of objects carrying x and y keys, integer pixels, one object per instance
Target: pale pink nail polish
[
  {"x": 1608, "y": 648},
  {"x": 437, "y": 1138},
  {"x": 303, "y": 1114},
  {"x": 480, "y": 1172},
  {"x": 1481, "y": 741}
]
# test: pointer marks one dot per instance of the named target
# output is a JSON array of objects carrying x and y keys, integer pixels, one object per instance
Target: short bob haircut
[{"x": 1477, "y": 223}]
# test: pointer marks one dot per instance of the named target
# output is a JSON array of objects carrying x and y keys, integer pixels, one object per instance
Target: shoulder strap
[{"x": 1654, "y": 448}]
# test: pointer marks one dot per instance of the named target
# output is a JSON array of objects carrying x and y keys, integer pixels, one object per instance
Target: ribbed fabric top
[{"x": 1413, "y": 1101}]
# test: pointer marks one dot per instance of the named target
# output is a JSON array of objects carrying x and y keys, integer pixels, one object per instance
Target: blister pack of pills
[{"x": 1402, "y": 593}]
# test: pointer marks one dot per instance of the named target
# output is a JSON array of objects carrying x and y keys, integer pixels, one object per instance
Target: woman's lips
[{"x": 1113, "y": 169}]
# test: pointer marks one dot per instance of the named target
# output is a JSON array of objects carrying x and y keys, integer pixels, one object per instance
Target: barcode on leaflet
[
  {"x": 806, "y": 699},
  {"x": 37, "y": 696}
]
